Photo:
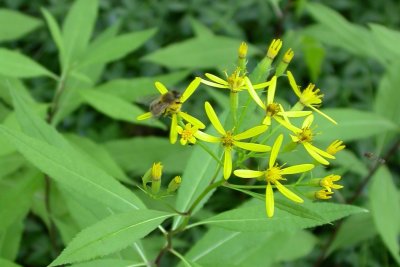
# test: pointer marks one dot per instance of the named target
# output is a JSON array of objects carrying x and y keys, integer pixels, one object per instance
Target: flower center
[
  {"x": 311, "y": 96},
  {"x": 273, "y": 174},
  {"x": 236, "y": 81},
  {"x": 187, "y": 134},
  {"x": 306, "y": 135},
  {"x": 273, "y": 109},
  {"x": 227, "y": 140}
]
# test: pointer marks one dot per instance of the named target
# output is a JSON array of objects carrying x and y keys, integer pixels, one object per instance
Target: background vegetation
[{"x": 348, "y": 48}]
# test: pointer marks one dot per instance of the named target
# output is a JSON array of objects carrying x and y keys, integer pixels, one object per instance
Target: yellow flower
[
  {"x": 271, "y": 108},
  {"x": 328, "y": 182},
  {"x": 273, "y": 174},
  {"x": 274, "y": 48},
  {"x": 305, "y": 136},
  {"x": 309, "y": 97},
  {"x": 188, "y": 134},
  {"x": 335, "y": 147},
  {"x": 174, "y": 109},
  {"x": 323, "y": 194},
  {"x": 234, "y": 82},
  {"x": 229, "y": 140}
]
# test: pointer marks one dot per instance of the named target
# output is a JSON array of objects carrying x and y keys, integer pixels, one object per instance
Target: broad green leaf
[
  {"x": 99, "y": 155},
  {"x": 109, "y": 263},
  {"x": 116, "y": 48},
  {"x": 6, "y": 83},
  {"x": 10, "y": 239},
  {"x": 6, "y": 263},
  {"x": 116, "y": 107},
  {"x": 110, "y": 235},
  {"x": 385, "y": 38},
  {"x": 222, "y": 247},
  {"x": 200, "y": 29},
  {"x": 349, "y": 161},
  {"x": 17, "y": 65},
  {"x": 77, "y": 29},
  {"x": 14, "y": 25},
  {"x": 354, "y": 230},
  {"x": 314, "y": 55},
  {"x": 352, "y": 125},
  {"x": 254, "y": 219},
  {"x": 10, "y": 163},
  {"x": 138, "y": 154},
  {"x": 137, "y": 88},
  {"x": 385, "y": 209},
  {"x": 55, "y": 32},
  {"x": 200, "y": 53}
]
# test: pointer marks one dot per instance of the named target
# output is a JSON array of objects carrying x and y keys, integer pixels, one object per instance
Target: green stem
[
  {"x": 234, "y": 105},
  {"x": 203, "y": 146},
  {"x": 177, "y": 254}
]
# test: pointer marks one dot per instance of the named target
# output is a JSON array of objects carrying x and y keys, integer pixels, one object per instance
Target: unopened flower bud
[
  {"x": 274, "y": 48},
  {"x": 174, "y": 184}
]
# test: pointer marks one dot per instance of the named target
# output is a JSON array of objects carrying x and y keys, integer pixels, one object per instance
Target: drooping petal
[
  {"x": 214, "y": 119},
  {"x": 144, "y": 116},
  {"x": 295, "y": 114},
  {"x": 323, "y": 114},
  {"x": 192, "y": 120},
  {"x": 227, "y": 163},
  {"x": 206, "y": 137},
  {"x": 271, "y": 91},
  {"x": 161, "y": 88},
  {"x": 307, "y": 121},
  {"x": 251, "y": 132},
  {"x": 190, "y": 89},
  {"x": 253, "y": 93},
  {"x": 314, "y": 154},
  {"x": 287, "y": 125},
  {"x": 269, "y": 200},
  {"x": 287, "y": 193},
  {"x": 297, "y": 169},
  {"x": 248, "y": 173},
  {"x": 275, "y": 150},
  {"x": 252, "y": 146},
  {"x": 322, "y": 152},
  {"x": 216, "y": 79},
  {"x": 293, "y": 84},
  {"x": 173, "y": 133},
  {"x": 212, "y": 84}
]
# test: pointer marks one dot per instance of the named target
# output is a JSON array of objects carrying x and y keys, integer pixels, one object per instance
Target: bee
[{"x": 169, "y": 100}]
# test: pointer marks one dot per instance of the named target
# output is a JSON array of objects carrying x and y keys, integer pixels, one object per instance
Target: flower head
[
  {"x": 310, "y": 97},
  {"x": 288, "y": 56},
  {"x": 328, "y": 182},
  {"x": 156, "y": 171},
  {"x": 243, "y": 50},
  {"x": 274, "y": 48},
  {"x": 229, "y": 140},
  {"x": 188, "y": 133},
  {"x": 335, "y": 147},
  {"x": 323, "y": 194},
  {"x": 173, "y": 107},
  {"x": 273, "y": 175},
  {"x": 305, "y": 136}
]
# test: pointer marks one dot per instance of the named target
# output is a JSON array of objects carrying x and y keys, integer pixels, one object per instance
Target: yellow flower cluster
[{"x": 170, "y": 104}]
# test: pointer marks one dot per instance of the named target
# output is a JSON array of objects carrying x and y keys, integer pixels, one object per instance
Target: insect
[{"x": 169, "y": 100}]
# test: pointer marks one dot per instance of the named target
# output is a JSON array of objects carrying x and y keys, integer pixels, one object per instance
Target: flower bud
[{"x": 174, "y": 184}]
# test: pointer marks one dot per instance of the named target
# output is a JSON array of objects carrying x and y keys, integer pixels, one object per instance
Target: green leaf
[
  {"x": 6, "y": 263},
  {"x": 111, "y": 235},
  {"x": 17, "y": 65},
  {"x": 10, "y": 163},
  {"x": 116, "y": 107},
  {"x": 116, "y": 48},
  {"x": 352, "y": 125},
  {"x": 109, "y": 263},
  {"x": 138, "y": 154},
  {"x": 314, "y": 55},
  {"x": 385, "y": 38},
  {"x": 14, "y": 25},
  {"x": 54, "y": 31},
  {"x": 77, "y": 29},
  {"x": 350, "y": 162},
  {"x": 254, "y": 219},
  {"x": 385, "y": 209},
  {"x": 200, "y": 53},
  {"x": 10, "y": 238}
]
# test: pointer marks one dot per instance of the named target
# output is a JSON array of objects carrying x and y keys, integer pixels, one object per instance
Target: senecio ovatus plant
[{"x": 237, "y": 146}]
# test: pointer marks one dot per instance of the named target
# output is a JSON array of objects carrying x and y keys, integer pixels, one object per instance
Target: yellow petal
[
  {"x": 253, "y": 93},
  {"x": 322, "y": 152},
  {"x": 251, "y": 132},
  {"x": 287, "y": 125},
  {"x": 323, "y": 114},
  {"x": 192, "y": 120},
  {"x": 314, "y": 154},
  {"x": 227, "y": 163},
  {"x": 252, "y": 146},
  {"x": 144, "y": 116},
  {"x": 248, "y": 173},
  {"x": 206, "y": 137},
  {"x": 190, "y": 89},
  {"x": 267, "y": 120},
  {"x": 271, "y": 91},
  {"x": 212, "y": 84},
  {"x": 275, "y": 150},
  {"x": 308, "y": 121},
  {"x": 293, "y": 84},
  {"x": 261, "y": 85},
  {"x": 161, "y": 88},
  {"x": 173, "y": 133},
  {"x": 295, "y": 114},
  {"x": 297, "y": 169},
  {"x": 287, "y": 193},
  {"x": 269, "y": 200},
  {"x": 216, "y": 79},
  {"x": 214, "y": 119},
  {"x": 183, "y": 141},
  {"x": 179, "y": 129}
]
